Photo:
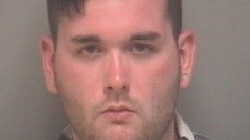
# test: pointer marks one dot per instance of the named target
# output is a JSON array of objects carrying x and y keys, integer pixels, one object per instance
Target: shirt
[{"x": 183, "y": 130}]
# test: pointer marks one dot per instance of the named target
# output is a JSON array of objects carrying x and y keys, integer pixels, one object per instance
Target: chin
[{"x": 120, "y": 133}]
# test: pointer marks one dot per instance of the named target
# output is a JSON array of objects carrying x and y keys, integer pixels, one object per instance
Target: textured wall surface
[{"x": 217, "y": 102}]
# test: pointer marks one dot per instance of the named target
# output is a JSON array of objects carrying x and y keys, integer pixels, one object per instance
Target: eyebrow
[
  {"x": 141, "y": 36},
  {"x": 145, "y": 36},
  {"x": 82, "y": 39}
]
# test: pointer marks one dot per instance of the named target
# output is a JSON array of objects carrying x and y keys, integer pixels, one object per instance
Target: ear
[
  {"x": 187, "y": 52},
  {"x": 47, "y": 50}
]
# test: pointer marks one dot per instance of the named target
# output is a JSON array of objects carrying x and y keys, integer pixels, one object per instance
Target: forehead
[
  {"x": 117, "y": 15},
  {"x": 85, "y": 4},
  {"x": 121, "y": 4}
]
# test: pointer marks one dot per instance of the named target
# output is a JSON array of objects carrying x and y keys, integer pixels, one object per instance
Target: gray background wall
[{"x": 217, "y": 102}]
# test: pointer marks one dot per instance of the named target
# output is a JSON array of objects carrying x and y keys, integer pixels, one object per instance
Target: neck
[{"x": 172, "y": 132}]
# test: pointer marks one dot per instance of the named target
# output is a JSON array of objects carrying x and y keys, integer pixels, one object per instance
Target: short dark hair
[{"x": 60, "y": 8}]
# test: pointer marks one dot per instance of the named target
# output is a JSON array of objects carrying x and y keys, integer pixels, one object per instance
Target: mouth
[{"x": 118, "y": 113}]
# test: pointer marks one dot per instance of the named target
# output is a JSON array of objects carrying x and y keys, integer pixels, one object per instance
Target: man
[{"x": 117, "y": 66}]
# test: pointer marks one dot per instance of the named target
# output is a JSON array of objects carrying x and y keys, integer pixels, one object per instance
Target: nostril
[
  {"x": 122, "y": 88},
  {"x": 110, "y": 88},
  {"x": 125, "y": 88}
]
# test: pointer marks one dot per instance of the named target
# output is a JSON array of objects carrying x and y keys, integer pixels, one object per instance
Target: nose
[{"x": 116, "y": 79}]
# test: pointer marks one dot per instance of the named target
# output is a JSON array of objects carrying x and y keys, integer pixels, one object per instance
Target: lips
[
  {"x": 118, "y": 109},
  {"x": 118, "y": 113}
]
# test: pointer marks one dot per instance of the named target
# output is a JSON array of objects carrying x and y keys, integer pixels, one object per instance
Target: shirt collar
[
  {"x": 184, "y": 130},
  {"x": 66, "y": 134}
]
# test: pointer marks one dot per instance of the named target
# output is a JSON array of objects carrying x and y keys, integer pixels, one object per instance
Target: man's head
[
  {"x": 57, "y": 9},
  {"x": 117, "y": 67}
]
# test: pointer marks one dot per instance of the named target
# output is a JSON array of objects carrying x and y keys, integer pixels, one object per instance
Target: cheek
[
  {"x": 156, "y": 85},
  {"x": 160, "y": 74},
  {"x": 77, "y": 82}
]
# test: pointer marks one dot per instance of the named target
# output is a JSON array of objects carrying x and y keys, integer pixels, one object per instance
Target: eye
[
  {"x": 140, "y": 48},
  {"x": 90, "y": 49}
]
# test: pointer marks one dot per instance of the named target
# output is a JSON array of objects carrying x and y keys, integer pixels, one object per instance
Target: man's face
[{"x": 117, "y": 70}]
